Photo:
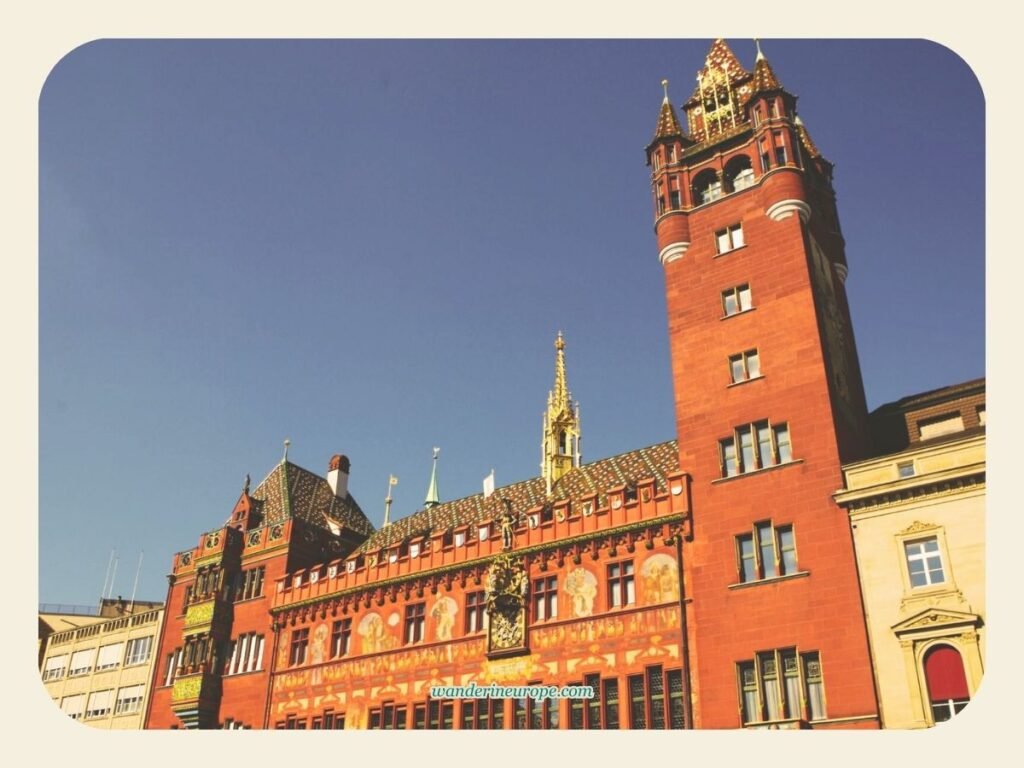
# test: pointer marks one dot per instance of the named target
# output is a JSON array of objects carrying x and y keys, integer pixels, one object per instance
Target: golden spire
[
  {"x": 560, "y": 440},
  {"x": 560, "y": 394}
]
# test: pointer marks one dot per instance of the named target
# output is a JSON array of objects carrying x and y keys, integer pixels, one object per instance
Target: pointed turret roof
[
  {"x": 764, "y": 76},
  {"x": 668, "y": 123},
  {"x": 561, "y": 400},
  {"x": 433, "y": 499},
  {"x": 805, "y": 137},
  {"x": 720, "y": 58}
]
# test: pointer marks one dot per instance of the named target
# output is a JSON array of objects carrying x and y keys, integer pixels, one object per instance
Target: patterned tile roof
[
  {"x": 720, "y": 56},
  {"x": 291, "y": 491},
  {"x": 805, "y": 137},
  {"x": 657, "y": 461},
  {"x": 668, "y": 123},
  {"x": 764, "y": 78}
]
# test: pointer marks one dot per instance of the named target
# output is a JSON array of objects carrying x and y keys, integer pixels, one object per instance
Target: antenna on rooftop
[
  {"x": 110, "y": 589},
  {"x": 131, "y": 603},
  {"x": 106, "y": 576}
]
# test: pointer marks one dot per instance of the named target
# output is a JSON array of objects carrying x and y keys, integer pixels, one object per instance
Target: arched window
[
  {"x": 738, "y": 174},
  {"x": 947, "y": 683},
  {"x": 706, "y": 186}
]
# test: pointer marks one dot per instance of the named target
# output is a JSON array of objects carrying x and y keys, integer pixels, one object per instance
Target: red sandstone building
[{"x": 704, "y": 582}]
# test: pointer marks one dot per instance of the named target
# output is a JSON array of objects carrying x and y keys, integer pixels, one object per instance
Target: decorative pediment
[
  {"x": 936, "y": 618},
  {"x": 917, "y": 527}
]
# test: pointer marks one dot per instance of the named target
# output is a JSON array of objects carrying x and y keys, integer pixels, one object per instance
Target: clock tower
[{"x": 769, "y": 404}]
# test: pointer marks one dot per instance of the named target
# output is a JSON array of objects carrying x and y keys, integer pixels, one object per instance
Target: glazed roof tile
[
  {"x": 657, "y": 461},
  {"x": 291, "y": 491},
  {"x": 668, "y": 123}
]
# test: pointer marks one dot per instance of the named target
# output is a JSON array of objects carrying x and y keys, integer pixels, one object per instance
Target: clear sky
[{"x": 368, "y": 247}]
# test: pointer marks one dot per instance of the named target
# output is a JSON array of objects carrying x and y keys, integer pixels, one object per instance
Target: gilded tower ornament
[
  {"x": 560, "y": 442},
  {"x": 506, "y": 606}
]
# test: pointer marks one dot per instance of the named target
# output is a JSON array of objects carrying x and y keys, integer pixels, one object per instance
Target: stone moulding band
[
  {"x": 785, "y": 208},
  {"x": 672, "y": 252}
]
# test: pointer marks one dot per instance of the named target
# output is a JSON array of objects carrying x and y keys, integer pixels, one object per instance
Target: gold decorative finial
[
  {"x": 757, "y": 42},
  {"x": 287, "y": 442},
  {"x": 560, "y": 435},
  {"x": 664, "y": 85}
]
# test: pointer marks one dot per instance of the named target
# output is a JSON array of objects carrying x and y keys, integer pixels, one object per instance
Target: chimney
[{"x": 337, "y": 475}]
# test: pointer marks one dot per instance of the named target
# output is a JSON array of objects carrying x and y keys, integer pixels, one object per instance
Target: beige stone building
[
  {"x": 918, "y": 520},
  {"x": 97, "y": 668}
]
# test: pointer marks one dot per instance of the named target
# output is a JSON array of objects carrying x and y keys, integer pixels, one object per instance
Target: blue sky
[{"x": 367, "y": 247}]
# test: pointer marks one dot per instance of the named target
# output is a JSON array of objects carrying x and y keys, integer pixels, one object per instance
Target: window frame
[
  {"x": 733, "y": 238},
  {"x": 415, "y": 623},
  {"x": 922, "y": 532},
  {"x": 131, "y": 653},
  {"x": 474, "y": 611},
  {"x": 731, "y": 450},
  {"x": 744, "y": 359},
  {"x": 341, "y": 638},
  {"x": 545, "y": 598},
  {"x": 298, "y": 646},
  {"x": 758, "y": 548},
  {"x": 621, "y": 585},
  {"x": 792, "y": 687},
  {"x": 737, "y": 292}
]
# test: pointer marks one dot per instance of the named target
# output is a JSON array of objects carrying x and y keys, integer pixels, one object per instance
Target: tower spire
[
  {"x": 433, "y": 499},
  {"x": 560, "y": 438},
  {"x": 668, "y": 123}
]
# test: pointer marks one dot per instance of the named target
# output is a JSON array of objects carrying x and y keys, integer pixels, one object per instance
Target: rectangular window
[
  {"x": 341, "y": 638},
  {"x": 437, "y": 715},
  {"x": 924, "y": 562},
  {"x": 100, "y": 703},
  {"x": 249, "y": 584},
  {"x": 81, "y": 662},
  {"x": 761, "y": 445},
  {"x": 483, "y": 714},
  {"x": 300, "y": 641},
  {"x": 415, "y": 621},
  {"x": 905, "y": 469},
  {"x": 246, "y": 653},
  {"x": 610, "y": 703},
  {"x": 736, "y": 300},
  {"x": 55, "y": 666},
  {"x": 781, "y": 685},
  {"x": 637, "y": 702},
  {"x": 129, "y": 699},
  {"x": 388, "y": 717},
  {"x": 173, "y": 662},
  {"x": 766, "y": 552},
  {"x": 476, "y": 603},
  {"x": 621, "y": 587},
  {"x": 73, "y": 706},
  {"x": 780, "y": 149},
  {"x": 138, "y": 651},
  {"x": 655, "y": 699},
  {"x": 109, "y": 656},
  {"x": 745, "y": 366},
  {"x": 730, "y": 238},
  {"x": 545, "y": 598}
]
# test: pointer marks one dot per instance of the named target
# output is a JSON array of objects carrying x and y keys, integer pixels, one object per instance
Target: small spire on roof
[
  {"x": 664, "y": 85},
  {"x": 245, "y": 488},
  {"x": 760, "y": 55},
  {"x": 287, "y": 442},
  {"x": 433, "y": 499},
  {"x": 392, "y": 481}
]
